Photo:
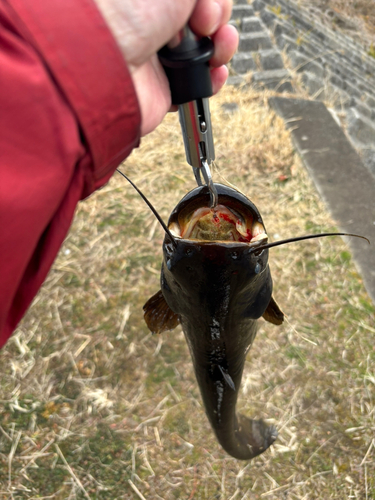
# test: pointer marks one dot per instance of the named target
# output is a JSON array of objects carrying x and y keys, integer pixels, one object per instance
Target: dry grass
[
  {"x": 355, "y": 18},
  {"x": 93, "y": 406}
]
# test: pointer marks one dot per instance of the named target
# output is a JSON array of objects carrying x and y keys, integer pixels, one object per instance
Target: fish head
[{"x": 216, "y": 250}]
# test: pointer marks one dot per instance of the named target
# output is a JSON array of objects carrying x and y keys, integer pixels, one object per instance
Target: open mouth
[{"x": 218, "y": 224}]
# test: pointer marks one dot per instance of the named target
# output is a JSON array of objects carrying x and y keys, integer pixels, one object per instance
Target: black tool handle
[{"x": 187, "y": 69}]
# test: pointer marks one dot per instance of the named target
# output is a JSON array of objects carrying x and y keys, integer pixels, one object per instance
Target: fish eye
[{"x": 257, "y": 268}]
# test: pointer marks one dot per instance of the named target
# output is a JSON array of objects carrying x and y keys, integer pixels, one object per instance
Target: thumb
[{"x": 142, "y": 27}]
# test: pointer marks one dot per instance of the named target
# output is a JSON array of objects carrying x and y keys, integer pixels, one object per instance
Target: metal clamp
[
  {"x": 186, "y": 63},
  {"x": 205, "y": 169},
  {"x": 195, "y": 121}
]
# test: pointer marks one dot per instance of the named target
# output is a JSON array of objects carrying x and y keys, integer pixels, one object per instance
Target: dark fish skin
[{"x": 217, "y": 291}]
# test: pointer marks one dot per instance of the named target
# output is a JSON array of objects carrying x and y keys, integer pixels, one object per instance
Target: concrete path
[
  {"x": 345, "y": 185},
  {"x": 285, "y": 46}
]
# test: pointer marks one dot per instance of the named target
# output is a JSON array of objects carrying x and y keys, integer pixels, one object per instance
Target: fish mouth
[{"x": 229, "y": 221}]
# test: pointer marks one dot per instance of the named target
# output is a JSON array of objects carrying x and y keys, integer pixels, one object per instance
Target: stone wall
[{"x": 286, "y": 47}]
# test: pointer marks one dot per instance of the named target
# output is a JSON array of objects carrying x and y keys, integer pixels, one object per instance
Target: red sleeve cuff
[{"x": 91, "y": 72}]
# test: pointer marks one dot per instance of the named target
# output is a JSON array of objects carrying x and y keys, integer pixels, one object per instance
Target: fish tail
[{"x": 243, "y": 438}]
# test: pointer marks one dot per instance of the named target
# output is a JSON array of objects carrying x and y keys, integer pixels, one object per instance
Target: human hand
[{"x": 142, "y": 27}]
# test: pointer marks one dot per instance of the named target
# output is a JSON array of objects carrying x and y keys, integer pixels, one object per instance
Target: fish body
[
  {"x": 218, "y": 290},
  {"x": 216, "y": 282}
]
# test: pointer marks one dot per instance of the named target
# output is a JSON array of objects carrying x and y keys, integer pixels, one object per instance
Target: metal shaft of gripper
[
  {"x": 186, "y": 63},
  {"x": 195, "y": 121}
]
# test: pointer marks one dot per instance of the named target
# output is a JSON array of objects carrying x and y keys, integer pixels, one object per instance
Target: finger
[
  {"x": 154, "y": 97},
  {"x": 226, "y": 43},
  {"x": 218, "y": 77},
  {"x": 144, "y": 26},
  {"x": 209, "y": 15}
]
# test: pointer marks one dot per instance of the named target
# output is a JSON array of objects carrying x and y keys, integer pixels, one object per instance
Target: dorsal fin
[
  {"x": 227, "y": 378},
  {"x": 158, "y": 315}
]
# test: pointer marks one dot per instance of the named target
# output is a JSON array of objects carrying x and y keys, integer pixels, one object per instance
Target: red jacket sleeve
[{"x": 68, "y": 116}]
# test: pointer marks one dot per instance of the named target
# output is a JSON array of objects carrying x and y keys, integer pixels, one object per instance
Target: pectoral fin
[
  {"x": 158, "y": 315},
  {"x": 273, "y": 313}
]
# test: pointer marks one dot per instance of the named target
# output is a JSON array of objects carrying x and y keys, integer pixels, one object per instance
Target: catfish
[{"x": 216, "y": 282}]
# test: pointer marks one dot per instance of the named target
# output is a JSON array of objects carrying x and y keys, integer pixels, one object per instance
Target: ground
[{"x": 93, "y": 406}]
